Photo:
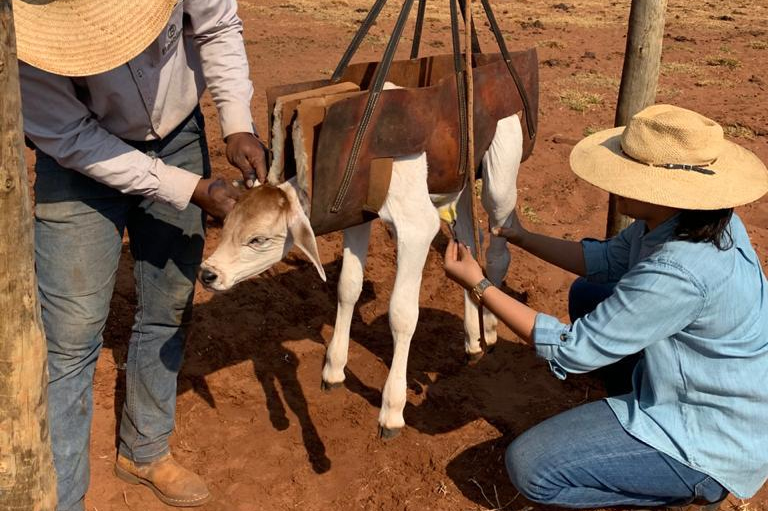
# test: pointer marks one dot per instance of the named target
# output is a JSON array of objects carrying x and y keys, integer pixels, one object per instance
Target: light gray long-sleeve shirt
[{"x": 81, "y": 122}]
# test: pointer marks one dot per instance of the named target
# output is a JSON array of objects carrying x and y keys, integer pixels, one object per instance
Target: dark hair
[{"x": 707, "y": 226}]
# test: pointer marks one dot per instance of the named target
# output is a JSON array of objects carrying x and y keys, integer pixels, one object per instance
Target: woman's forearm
[
  {"x": 565, "y": 254},
  {"x": 516, "y": 315}
]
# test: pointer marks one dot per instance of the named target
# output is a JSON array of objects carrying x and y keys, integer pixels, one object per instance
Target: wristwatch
[{"x": 477, "y": 292}]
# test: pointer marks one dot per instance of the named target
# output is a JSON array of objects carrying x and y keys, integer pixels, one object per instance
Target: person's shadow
[{"x": 253, "y": 322}]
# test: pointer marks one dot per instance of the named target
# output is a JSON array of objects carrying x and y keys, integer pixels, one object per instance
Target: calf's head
[{"x": 259, "y": 231}]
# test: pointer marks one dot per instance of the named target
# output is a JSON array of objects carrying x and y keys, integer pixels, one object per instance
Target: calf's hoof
[
  {"x": 490, "y": 348},
  {"x": 328, "y": 387},
  {"x": 473, "y": 358},
  {"x": 388, "y": 433}
]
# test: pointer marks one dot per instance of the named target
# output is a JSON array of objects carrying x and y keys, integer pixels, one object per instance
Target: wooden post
[
  {"x": 27, "y": 478},
  {"x": 640, "y": 76}
]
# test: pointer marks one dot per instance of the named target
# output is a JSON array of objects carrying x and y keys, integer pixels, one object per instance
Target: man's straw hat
[
  {"x": 673, "y": 157},
  {"x": 86, "y": 37}
]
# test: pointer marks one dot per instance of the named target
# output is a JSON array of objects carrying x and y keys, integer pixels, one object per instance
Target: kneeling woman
[{"x": 684, "y": 288}]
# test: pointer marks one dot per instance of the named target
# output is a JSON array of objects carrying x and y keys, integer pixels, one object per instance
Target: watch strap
[{"x": 480, "y": 288}]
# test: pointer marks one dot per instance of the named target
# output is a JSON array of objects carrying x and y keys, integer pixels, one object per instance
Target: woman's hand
[
  {"x": 460, "y": 266},
  {"x": 514, "y": 233}
]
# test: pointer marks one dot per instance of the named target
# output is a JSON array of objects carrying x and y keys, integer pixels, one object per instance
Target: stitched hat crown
[{"x": 663, "y": 134}]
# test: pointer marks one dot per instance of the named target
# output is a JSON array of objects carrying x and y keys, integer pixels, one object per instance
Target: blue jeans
[
  {"x": 583, "y": 458},
  {"x": 78, "y": 233}
]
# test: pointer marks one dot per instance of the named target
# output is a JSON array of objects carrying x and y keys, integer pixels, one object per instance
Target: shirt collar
[{"x": 662, "y": 232}]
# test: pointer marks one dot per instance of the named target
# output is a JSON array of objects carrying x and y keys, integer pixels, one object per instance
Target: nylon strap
[
  {"x": 505, "y": 54},
  {"x": 418, "y": 28},
  {"x": 461, "y": 90},
  {"x": 357, "y": 39}
]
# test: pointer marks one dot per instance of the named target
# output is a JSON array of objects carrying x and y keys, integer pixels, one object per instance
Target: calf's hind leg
[
  {"x": 350, "y": 285},
  {"x": 415, "y": 222},
  {"x": 501, "y": 163}
]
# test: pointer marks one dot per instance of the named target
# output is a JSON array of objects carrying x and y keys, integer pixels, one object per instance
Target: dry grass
[
  {"x": 715, "y": 82},
  {"x": 727, "y": 62},
  {"x": 758, "y": 45},
  {"x": 530, "y": 214},
  {"x": 551, "y": 43},
  {"x": 668, "y": 92},
  {"x": 580, "y": 101},
  {"x": 594, "y": 80},
  {"x": 591, "y": 130},
  {"x": 737, "y": 130},
  {"x": 687, "y": 68}
]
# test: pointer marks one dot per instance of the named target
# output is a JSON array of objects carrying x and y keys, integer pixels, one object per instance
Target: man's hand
[
  {"x": 460, "y": 266},
  {"x": 215, "y": 196},
  {"x": 246, "y": 152}
]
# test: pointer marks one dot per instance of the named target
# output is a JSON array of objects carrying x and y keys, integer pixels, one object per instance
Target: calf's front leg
[
  {"x": 350, "y": 285},
  {"x": 415, "y": 222}
]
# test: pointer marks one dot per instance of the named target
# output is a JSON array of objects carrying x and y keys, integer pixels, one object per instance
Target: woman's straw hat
[
  {"x": 673, "y": 157},
  {"x": 86, "y": 37}
]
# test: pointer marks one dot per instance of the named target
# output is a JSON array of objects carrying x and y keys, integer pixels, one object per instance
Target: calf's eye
[{"x": 258, "y": 241}]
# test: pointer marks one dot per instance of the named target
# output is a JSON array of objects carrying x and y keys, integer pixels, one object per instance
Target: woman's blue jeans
[
  {"x": 79, "y": 237},
  {"x": 583, "y": 458}
]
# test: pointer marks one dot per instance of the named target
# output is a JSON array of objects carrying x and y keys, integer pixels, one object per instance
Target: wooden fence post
[
  {"x": 27, "y": 478},
  {"x": 640, "y": 76}
]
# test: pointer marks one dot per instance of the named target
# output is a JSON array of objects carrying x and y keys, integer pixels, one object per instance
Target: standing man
[{"x": 110, "y": 93}]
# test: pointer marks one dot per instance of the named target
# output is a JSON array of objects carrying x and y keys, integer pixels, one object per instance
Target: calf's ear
[{"x": 301, "y": 230}]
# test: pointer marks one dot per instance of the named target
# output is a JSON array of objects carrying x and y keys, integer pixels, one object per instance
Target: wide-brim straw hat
[
  {"x": 86, "y": 37},
  {"x": 673, "y": 157}
]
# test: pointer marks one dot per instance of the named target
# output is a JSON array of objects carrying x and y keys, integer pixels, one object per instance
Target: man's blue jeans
[
  {"x": 79, "y": 232},
  {"x": 583, "y": 458}
]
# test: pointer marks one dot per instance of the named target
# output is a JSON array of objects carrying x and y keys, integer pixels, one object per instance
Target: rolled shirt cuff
[
  {"x": 176, "y": 185},
  {"x": 594, "y": 258},
  {"x": 235, "y": 119},
  {"x": 549, "y": 334}
]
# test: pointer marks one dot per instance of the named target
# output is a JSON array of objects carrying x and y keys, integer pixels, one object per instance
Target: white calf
[{"x": 268, "y": 220}]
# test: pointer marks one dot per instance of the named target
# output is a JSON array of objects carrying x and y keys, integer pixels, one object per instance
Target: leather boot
[{"x": 172, "y": 483}]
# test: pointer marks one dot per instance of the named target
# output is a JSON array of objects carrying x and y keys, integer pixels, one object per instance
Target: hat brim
[
  {"x": 739, "y": 175},
  {"x": 86, "y": 37}
]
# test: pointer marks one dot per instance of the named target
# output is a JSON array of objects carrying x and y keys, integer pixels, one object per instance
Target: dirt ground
[{"x": 251, "y": 417}]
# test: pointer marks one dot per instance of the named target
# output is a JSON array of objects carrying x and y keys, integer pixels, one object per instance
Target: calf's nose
[{"x": 207, "y": 276}]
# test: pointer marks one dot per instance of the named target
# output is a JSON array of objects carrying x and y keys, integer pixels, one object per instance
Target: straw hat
[
  {"x": 673, "y": 157},
  {"x": 86, "y": 37}
]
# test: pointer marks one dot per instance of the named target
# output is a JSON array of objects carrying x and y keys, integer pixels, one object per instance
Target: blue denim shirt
[{"x": 701, "y": 316}]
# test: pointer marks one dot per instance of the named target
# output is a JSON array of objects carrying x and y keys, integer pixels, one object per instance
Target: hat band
[
  {"x": 685, "y": 166},
  {"x": 676, "y": 166}
]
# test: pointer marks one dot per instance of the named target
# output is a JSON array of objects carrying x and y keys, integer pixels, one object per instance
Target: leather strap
[
  {"x": 475, "y": 41},
  {"x": 378, "y": 184}
]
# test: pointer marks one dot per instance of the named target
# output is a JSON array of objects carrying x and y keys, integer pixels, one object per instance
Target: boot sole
[{"x": 129, "y": 478}]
